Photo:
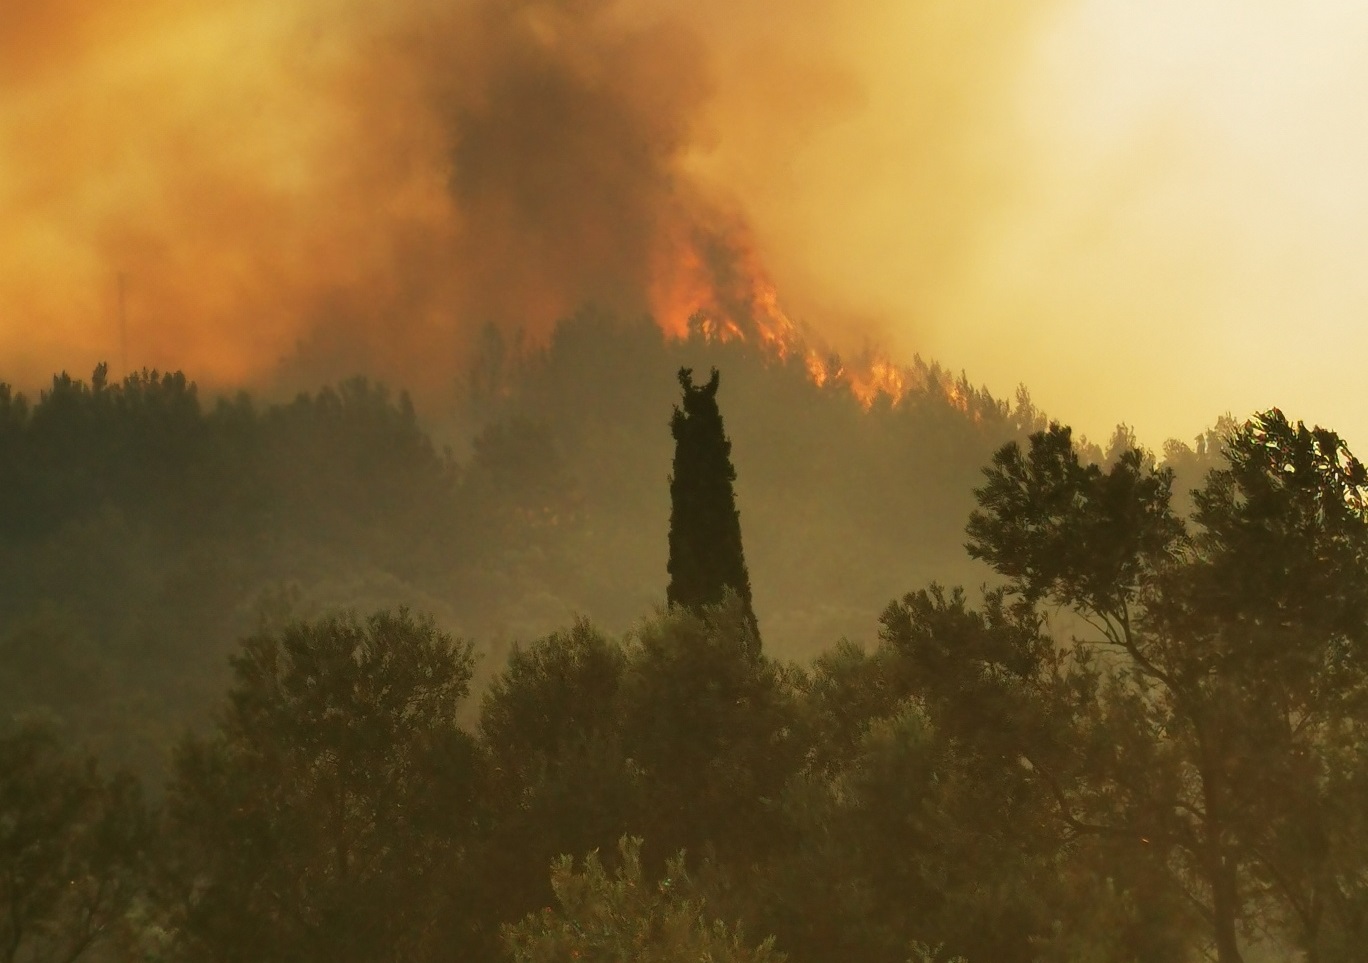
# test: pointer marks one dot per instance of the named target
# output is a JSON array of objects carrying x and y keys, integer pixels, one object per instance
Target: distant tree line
[{"x": 145, "y": 526}]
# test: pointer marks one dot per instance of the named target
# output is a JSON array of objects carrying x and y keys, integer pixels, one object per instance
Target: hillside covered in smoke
[{"x": 149, "y": 527}]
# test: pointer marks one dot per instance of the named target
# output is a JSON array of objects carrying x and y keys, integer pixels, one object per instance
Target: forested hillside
[
  {"x": 1180, "y": 778},
  {"x": 147, "y": 527},
  {"x": 361, "y": 698}
]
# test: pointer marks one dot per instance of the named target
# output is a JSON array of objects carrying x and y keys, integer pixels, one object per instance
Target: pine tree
[{"x": 705, "y": 528}]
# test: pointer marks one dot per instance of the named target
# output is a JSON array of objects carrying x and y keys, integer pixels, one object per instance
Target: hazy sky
[
  {"x": 1155, "y": 212},
  {"x": 1147, "y": 212}
]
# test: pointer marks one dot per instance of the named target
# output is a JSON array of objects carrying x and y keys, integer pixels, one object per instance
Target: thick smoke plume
[{"x": 252, "y": 190}]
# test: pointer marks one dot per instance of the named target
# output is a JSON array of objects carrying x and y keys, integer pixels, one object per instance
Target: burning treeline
[{"x": 253, "y": 192}]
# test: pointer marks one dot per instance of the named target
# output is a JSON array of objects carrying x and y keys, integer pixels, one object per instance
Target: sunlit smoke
[
  {"x": 255, "y": 191},
  {"x": 243, "y": 188}
]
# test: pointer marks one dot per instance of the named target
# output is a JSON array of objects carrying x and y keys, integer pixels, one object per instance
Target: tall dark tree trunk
[{"x": 1225, "y": 906}]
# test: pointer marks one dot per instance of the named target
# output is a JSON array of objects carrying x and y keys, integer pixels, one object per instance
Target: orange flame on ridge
[{"x": 718, "y": 288}]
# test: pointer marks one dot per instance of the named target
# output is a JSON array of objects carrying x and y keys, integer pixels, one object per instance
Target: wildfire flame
[{"x": 717, "y": 287}]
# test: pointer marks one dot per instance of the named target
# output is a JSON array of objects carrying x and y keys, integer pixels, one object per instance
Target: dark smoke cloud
[
  {"x": 550, "y": 137},
  {"x": 296, "y": 192}
]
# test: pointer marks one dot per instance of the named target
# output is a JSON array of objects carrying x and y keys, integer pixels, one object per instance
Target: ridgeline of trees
[
  {"x": 1144, "y": 742},
  {"x": 144, "y": 528}
]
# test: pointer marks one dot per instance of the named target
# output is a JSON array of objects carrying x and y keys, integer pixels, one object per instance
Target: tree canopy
[
  {"x": 338, "y": 784},
  {"x": 1218, "y": 693},
  {"x": 706, "y": 557}
]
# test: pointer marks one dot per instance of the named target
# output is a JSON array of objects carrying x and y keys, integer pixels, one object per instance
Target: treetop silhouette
[{"x": 706, "y": 558}]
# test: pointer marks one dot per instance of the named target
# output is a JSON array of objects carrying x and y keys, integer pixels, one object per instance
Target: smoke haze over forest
[
  {"x": 339, "y": 342},
  {"x": 270, "y": 193}
]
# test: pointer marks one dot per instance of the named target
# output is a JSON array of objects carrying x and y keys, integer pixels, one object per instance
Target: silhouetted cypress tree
[{"x": 705, "y": 527}]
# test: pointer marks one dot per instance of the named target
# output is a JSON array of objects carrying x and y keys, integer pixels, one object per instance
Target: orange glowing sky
[{"x": 1151, "y": 213}]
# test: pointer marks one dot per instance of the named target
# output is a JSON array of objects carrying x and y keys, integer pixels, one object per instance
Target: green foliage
[
  {"x": 150, "y": 521},
  {"x": 931, "y": 827},
  {"x": 904, "y": 842},
  {"x": 706, "y": 558},
  {"x": 921, "y": 814},
  {"x": 622, "y": 918},
  {"x": 846, "y": 689},
  {"x": 1227, "y": 657},
  {"x": 351, "y": 466},
  {"x": 987, "y": 671},
  {"x": 1073, "y": 532},
  {"x": 551, "y": 722},
  {"x": 710, "y": 723},
  {"x": 336, "y": 795},
  {"x": 516, "y": 465},
  {"x": 559, "y": 691},
  {"x": 72, "y": 852}
]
